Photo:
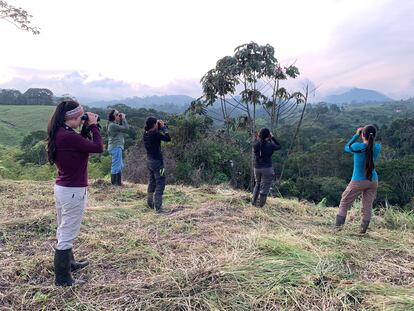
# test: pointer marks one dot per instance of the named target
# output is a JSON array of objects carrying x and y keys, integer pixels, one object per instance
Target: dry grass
[{"x": 213, "y": 252}]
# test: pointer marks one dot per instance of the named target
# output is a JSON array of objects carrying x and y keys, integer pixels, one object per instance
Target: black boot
[
  {"x": 158, "y": 204},
  {"x": 340, "y": 220},
  {"x": 262, "y": 200},
  {"x": 364, "y": 226},
  {"x": 150, "y": 200},
  {"x": 119, "y": 179},
  {"x": 77, "y": 265},
  {"x": 255, "y": 196},
  {"x": 254, "y": 199},
  {"x": 113, "y": 179},
  {"x": 63, "y": 276}
]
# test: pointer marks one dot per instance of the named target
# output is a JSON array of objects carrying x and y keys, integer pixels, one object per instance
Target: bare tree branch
[{"x": 17, "y": 17}]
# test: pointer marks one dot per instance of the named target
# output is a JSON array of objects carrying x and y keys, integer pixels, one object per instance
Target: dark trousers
[
  {"x": 263, "y": 178},
  {"x": 156, "y": 181}
]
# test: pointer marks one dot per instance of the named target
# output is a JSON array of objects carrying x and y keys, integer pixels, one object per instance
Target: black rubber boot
[
  {"x": 364, "y": 226},
  {"x": 340, "y": 220},
  {"x": 63, "y": 275},
  {"x": 158, "y": 205},
  {"x": 254, "y": 198},
  {"x": 113, "y": 179},
  {"x": 150, "y": 200},
  {"x": 77, "y": 265},
  {"x": 119, "y": 179},
  {"x": 161, "y": 211},
  {"x": 262, "y": 200}
]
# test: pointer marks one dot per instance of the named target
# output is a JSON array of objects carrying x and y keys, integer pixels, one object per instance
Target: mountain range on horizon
[
  {"x": 147, "y": 101},
  {"x": 357, "y": 96},
  {"x": 352, "y": 96},
  {"x": 178, "y": 103}
]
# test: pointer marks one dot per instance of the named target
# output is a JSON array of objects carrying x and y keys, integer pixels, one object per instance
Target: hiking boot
[
  {"x": 62, "y": 262},
  {"x": 262, "y": 200},
  {"x": 254, "y": 199},
  {"x": 364, "y": 226},
  {"x": 161, "y": 211},
  {"x": 77, "y": 265},
  {"x": 118, "y": 179},
  {"x": 113, "y": 179},
  {"x": 340, "y": 221},
  {"x": 150, "y": 199}
]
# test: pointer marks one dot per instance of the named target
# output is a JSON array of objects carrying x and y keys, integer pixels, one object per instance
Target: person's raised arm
[
  {"x": 163, "y": 134},
  {"x": 351, "y": 146},
  {"x": 124, "y": 127},
  {"x": 86, "y": 145},
  {"x": 275, "y": 144}
]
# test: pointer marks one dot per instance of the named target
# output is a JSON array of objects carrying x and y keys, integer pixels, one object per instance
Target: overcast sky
[{"x": 114, "y": 49}]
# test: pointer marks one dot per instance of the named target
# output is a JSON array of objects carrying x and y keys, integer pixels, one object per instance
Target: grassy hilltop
[
  {"x": 214, "y": 252},
  {"x": 18, "y": 121}
]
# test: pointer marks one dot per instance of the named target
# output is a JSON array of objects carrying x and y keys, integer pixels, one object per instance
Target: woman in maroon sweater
[{"x": 69, "y": 151}]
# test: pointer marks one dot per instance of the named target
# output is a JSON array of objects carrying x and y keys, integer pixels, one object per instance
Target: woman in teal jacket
[{"x": 364, "y": 178}]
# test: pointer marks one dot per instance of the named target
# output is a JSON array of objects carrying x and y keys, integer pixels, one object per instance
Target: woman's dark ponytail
[
  {"x": 57, "y": 121},
  {"x": 369, "y": 133},
  {"x": 111, "y": 115},
  {"x": 263, "y": 135}
]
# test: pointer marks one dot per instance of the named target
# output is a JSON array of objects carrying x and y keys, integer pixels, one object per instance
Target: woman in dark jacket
[
  {"x": 69, "y": 151},
  {"x": 263, "y": 170},
  {"x": 156, "y": 131}
]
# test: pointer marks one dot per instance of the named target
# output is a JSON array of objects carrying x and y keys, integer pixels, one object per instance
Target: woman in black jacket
[
  {"x": 263, "y": 169},
  {"x": 155, "y": 132}
]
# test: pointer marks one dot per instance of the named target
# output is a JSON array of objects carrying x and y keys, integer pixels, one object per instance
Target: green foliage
[
  {"x": 199, "y": 153},
  {"x": 318, "y": 169},
  {"x": 398, "y": 220},
  {"x": 319, "y": 188},
  {"x": 34, "y": 148},
  {"x": 400, "y": 174},
  {"x": 250, "y": 80},
  {"x": 99, "y": 166},
  {"x": 15, "y": 170},
  {"x": 400, "y": 136},
  {"x": 33, "y": 96}
]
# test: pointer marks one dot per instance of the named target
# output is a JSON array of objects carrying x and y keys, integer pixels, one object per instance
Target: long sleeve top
[
  {"x": 263, "y": 152},
  {"x": 152, "y": 142},
  {"x": 358, "y": 150},
  {"x": 72, "y": 153},
  {"x": 116, "y": 134}
]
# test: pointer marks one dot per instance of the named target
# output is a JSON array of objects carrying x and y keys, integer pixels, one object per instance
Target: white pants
[{"x": 70, "y": 205}]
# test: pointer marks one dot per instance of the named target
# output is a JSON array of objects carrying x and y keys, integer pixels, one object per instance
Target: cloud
[
  {"x": 372, "y": 50},
  {"x": 82, "y": 86}
]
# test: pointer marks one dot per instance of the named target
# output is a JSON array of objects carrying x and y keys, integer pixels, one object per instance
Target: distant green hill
[
  {"x": 18, "y": 121},
  {"x": 355, "y": 96}
]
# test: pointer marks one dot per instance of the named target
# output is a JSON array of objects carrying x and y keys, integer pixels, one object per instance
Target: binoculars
[{"x": 86, "y": 118}]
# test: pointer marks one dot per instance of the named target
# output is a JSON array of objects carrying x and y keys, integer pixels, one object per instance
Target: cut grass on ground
[{"x": 213, "y": 252}]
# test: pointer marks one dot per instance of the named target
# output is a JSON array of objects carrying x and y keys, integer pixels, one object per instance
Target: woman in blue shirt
[{"x": 364, "y": 178}]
